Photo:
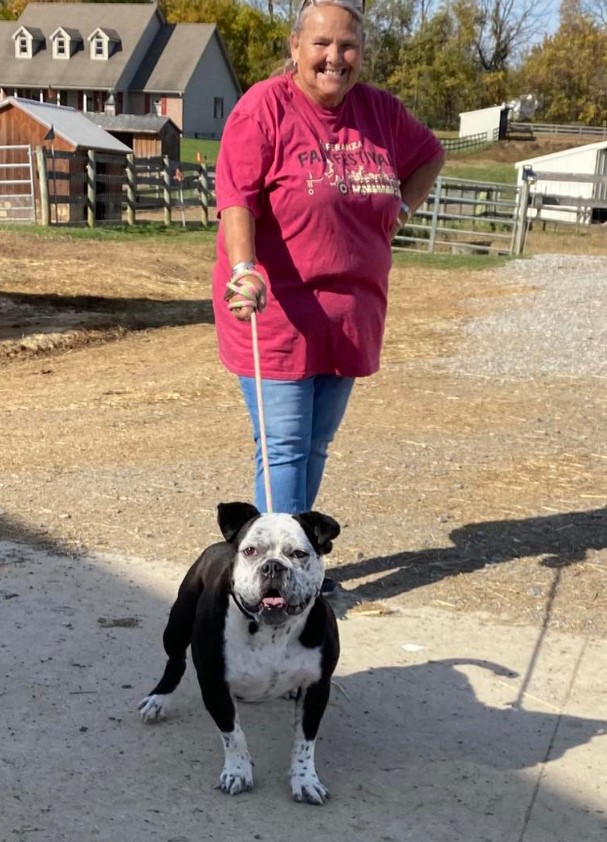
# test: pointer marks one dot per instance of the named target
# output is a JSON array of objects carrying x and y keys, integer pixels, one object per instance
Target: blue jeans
[{"x": 301, "y": 419}]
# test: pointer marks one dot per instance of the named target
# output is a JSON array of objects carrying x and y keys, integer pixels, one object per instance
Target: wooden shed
[
  {"x": 66, "y": 136},
  {"x": 148, "y": 135}
]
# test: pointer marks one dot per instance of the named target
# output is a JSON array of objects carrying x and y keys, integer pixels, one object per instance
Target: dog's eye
[
  {"x": 299, "y": 554},
  {"x": 249, "y": 551}
]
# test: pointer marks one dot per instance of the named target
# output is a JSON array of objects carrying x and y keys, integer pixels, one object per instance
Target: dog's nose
[{"x": 273, "y": 567}]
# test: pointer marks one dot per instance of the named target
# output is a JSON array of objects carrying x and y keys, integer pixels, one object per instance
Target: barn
[
  {"x": 567, "y": 186},
  {"x": 66, "y": 136},
  {"x": 148, "y": 135}
]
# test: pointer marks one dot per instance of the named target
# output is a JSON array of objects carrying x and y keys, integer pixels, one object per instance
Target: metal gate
[{"x": 17, "y": 202}]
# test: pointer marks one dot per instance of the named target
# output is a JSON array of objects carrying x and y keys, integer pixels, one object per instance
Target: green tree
[
  {"x": 568, "y": 70},
  {"x": 437, "y": 71},
  {"x": 255, "y": 41}
]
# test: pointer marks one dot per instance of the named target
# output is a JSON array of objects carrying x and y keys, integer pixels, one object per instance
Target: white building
[
  {"x": 490, "y": 121},
  {"x": 567, "y": 180}
]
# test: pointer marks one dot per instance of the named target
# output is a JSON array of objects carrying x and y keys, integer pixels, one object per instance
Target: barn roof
[{"x": 68, "y": 123}]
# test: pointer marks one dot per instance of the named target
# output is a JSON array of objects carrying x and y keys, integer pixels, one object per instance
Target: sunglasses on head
[{"x": 355, "y": 6}]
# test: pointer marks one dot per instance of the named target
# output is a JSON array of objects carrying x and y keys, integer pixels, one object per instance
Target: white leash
[{"x": 262, "y": 424}]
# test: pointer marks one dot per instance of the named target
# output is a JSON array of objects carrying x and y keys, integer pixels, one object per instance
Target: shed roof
[
  {"x": 68, "y": 123},
  {"x": 551, "y": 156},
  {"x": 144, "y": 123}
]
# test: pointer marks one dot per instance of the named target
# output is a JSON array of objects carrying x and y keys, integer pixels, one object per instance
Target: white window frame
[
  {"x": 99, "y": 48},
  {"x": 23, "y": 45},
  {"x": 61, "y": 40}
]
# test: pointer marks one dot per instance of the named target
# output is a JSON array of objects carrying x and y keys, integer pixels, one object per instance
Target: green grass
[
  {"x": 207, "y": 149},
  {"x": 495, "y": 171},
  {"x": 193, "y": 233}
]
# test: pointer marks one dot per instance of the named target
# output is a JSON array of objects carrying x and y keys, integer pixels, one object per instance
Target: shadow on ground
[
  {"x": 23, "y": 314},
  {"x": 410, "y": 752},
  {"x": 564, "y": 538}
]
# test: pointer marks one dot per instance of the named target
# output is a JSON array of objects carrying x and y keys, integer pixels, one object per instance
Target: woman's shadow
[{"x": 565, "y": 538}]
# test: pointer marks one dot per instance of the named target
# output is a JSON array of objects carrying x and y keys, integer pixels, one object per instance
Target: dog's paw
[
  {"x": 153, "y": 708},
  {"x": 307, "y": 788},
  {"x": 234, "y": 780}
]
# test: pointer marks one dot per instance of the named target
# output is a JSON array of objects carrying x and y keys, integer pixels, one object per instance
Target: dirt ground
[{"x": 121, "y": 432}]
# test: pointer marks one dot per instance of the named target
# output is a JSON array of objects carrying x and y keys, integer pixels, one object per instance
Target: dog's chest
[{"x": 269, "y": 663}]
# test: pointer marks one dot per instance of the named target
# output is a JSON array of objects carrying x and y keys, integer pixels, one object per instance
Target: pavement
[{"x": 442, "y": 726}]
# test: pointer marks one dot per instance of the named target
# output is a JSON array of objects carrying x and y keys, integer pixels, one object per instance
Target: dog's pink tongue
[{"x": 273, "y": 602}]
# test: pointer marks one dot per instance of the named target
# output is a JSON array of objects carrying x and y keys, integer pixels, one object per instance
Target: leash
[{"x": 262, "y": 423}]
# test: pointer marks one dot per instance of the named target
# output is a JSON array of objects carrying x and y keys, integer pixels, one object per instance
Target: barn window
[{"x": 218, "y": 107}]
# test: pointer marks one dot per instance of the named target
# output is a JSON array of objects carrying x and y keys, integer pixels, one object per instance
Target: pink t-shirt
[{"x": 323, "y": 186}]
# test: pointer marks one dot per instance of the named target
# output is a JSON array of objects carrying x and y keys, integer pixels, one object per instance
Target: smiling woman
[{"x": 316, "y": 171}]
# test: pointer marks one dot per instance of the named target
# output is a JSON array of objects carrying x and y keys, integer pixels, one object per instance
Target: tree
[
  {"x": 255, "y": 42},
  {"x": 569, "y": 71}
]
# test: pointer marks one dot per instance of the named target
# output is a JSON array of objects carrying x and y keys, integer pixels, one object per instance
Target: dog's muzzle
[{"x": 276, "y": 603}]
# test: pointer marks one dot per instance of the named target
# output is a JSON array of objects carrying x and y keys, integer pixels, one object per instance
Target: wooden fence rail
[
  {"x": 90, "y": 189},
  {"x": 95, "y": 188},
  {"x": 597, "y": 132}
]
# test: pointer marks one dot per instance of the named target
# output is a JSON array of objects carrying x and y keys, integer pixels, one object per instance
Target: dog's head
[{"x": 278, "y": 568}]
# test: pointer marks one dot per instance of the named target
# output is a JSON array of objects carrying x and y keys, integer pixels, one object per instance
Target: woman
[{"x": 316, "y": 172}]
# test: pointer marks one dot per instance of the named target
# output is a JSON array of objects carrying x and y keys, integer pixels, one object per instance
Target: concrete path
[{"x": 441, "y": 727}]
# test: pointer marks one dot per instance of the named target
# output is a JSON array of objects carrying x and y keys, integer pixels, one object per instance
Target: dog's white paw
[
  {"x": 307, "y": 788},
  {"x": 153, "y": 708},
  {"x": 236, "y": 777}
]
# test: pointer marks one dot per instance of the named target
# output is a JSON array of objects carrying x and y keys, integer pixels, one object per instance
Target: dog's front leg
[
  {"x": 237, "y": 773},
  {"x": 309, "y": 709}
]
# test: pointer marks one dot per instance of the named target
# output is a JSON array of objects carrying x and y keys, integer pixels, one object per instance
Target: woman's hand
[{"x": 246, "y": 295}]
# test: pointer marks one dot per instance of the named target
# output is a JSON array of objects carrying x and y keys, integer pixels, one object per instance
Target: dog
[{"x": 259, "y": 628}]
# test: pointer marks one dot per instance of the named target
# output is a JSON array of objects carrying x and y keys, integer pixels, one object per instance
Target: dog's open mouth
[{"x": 273, "y": 603}]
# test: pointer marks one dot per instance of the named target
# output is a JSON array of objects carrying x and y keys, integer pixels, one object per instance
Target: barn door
[{"x": 16, "y": 184}]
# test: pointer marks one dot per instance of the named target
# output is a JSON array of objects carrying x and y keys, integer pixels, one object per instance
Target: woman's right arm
[{"x": 238, "y": 227}]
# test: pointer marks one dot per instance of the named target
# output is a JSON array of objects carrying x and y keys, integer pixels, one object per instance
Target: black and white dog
[{"x": 259, "y": 628}]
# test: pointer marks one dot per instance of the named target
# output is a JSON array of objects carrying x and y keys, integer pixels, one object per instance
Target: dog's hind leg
[{"x": 176, "y": 639}]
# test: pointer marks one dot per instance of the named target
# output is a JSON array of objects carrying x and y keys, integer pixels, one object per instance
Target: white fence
[{"x": 16, "y": 184}]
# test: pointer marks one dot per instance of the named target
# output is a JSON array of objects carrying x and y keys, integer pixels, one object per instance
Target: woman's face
[{"x": 328, "y": 53}]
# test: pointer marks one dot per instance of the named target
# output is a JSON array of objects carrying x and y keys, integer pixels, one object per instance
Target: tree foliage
[{"x": 569, "y": 71}]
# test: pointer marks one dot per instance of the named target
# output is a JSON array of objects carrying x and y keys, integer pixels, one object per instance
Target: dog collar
[{"x": 253, "y": 625}]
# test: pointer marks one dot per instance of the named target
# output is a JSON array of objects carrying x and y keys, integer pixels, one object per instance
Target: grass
[
  {"x": 193, "y": 233},
  {"x": 207, "y": 149},
  {"x": 483, "y": 170}
]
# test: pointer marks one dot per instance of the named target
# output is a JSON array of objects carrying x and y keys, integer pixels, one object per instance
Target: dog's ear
[
  {"x": 323, "y": 528},
  {"x": 231, "y": 517}
]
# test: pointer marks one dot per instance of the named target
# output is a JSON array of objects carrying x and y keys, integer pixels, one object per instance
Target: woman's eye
[{"x": 249, "y": 551}]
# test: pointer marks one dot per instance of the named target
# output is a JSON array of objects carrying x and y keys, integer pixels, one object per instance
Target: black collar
[{"x": 253, "y": 624}]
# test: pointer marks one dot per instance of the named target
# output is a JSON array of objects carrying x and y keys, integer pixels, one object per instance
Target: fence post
[
  {"x": 438, "y": 187},
  {"x": 203, "y": 189},
  {"x": 45, "y": 206},
  {"x": 91, "y": 188},
  {"x": 521, "y": 218},
  {"x": 166, "y": 188},
  {"x": 131, "y": 189}
]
